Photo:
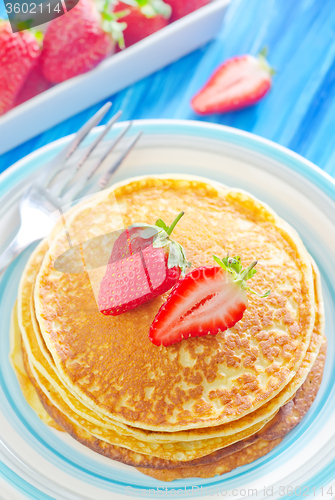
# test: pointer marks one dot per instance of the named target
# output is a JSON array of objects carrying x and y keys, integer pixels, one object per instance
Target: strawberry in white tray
[
  {"x": 207, "y": 301},
  {"x": 143, "y": 18},
  {"x": 19, "y": 53}
]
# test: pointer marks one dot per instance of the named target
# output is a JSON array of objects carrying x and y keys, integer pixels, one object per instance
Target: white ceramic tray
[{"x": 151, "y": 54}]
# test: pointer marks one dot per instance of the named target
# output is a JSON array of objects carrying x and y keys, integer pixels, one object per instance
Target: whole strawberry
[
  {"x": 239, "y": 82},
  {"x": 18, "y": 54},
  {"x": 181, "y": 8},
  {"x": 34, "y": 85},
  {"x": 207, "y": 301},
  {"x": 144, "y": 263},
  {"x": 76, "y": 42},
  {"x": 143, "y": 18}
]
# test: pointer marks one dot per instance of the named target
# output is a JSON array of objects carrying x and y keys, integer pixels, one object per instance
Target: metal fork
[{"x": 52, "y": 190}]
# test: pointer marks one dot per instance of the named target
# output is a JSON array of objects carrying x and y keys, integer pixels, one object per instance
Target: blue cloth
[{"x": 298, "y": 113}]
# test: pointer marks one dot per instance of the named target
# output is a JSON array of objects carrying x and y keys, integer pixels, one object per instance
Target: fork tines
[{"x": 61, "y": 186}]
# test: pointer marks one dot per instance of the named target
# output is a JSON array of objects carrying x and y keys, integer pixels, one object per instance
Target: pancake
[
  {"x": 32, "y": 390},
  {"x": 15, "y": 356},
  {"x": 249, "y": 454},
  {"x": 233, "y": 400},
  {"x": 218, "y": 462},
  {"x": 109, "y": 363},
  {"x": 40, "y": 360},
  {"x": 261, "y": 444},
  {"x": 185, "y": 450},
  {"x": 74, "y": 409}
]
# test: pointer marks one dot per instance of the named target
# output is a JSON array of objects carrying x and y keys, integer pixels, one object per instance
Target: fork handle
[{"x": 12, "y": 251}]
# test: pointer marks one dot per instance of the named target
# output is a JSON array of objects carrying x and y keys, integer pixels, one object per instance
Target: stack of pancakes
[{"x": 197, "y": 408}]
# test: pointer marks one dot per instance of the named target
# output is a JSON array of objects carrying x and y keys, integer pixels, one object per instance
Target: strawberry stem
[
  {"x": 264, "y": 52},
  {"x": 166, "y": 228},
  {"x": 246, "y": 270},
  {"x": 174, "y": 223}
]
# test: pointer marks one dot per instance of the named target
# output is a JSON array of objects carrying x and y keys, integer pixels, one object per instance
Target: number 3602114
[{"x": 33, "y": 8}]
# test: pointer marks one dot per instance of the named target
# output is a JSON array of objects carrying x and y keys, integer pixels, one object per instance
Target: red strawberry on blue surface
[
  {"x": 207, "y": 301},
  {"x": 144, "y": 263},
  {"x": 238, "y": 83}
]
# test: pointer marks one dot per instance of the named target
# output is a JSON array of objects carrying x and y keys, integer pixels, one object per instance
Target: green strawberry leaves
[
  {"x": 109, "y": 21},
  {"x": 234, "y": 263},
  {"x": 177, "y": 256},
  {"x": 264, "y": 63},
  {"x": 38, "y": 34},
  {"x": 234, "y": 266},
  {"x": 161, "y": 239},
  {"x": 161, "y": 224}
]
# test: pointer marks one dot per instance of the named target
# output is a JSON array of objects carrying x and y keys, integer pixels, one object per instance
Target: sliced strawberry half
[
  {"x": 145, "y": 262},
  {"x": 207, "y": 301},
  {"x": 238, "y": 83}
]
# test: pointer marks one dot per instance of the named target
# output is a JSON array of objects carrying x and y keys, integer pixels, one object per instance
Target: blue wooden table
[{"x": 298, "y": 113}]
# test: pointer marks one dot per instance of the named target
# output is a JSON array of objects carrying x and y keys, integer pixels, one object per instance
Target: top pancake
[{"x": 110, "y": 362}]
